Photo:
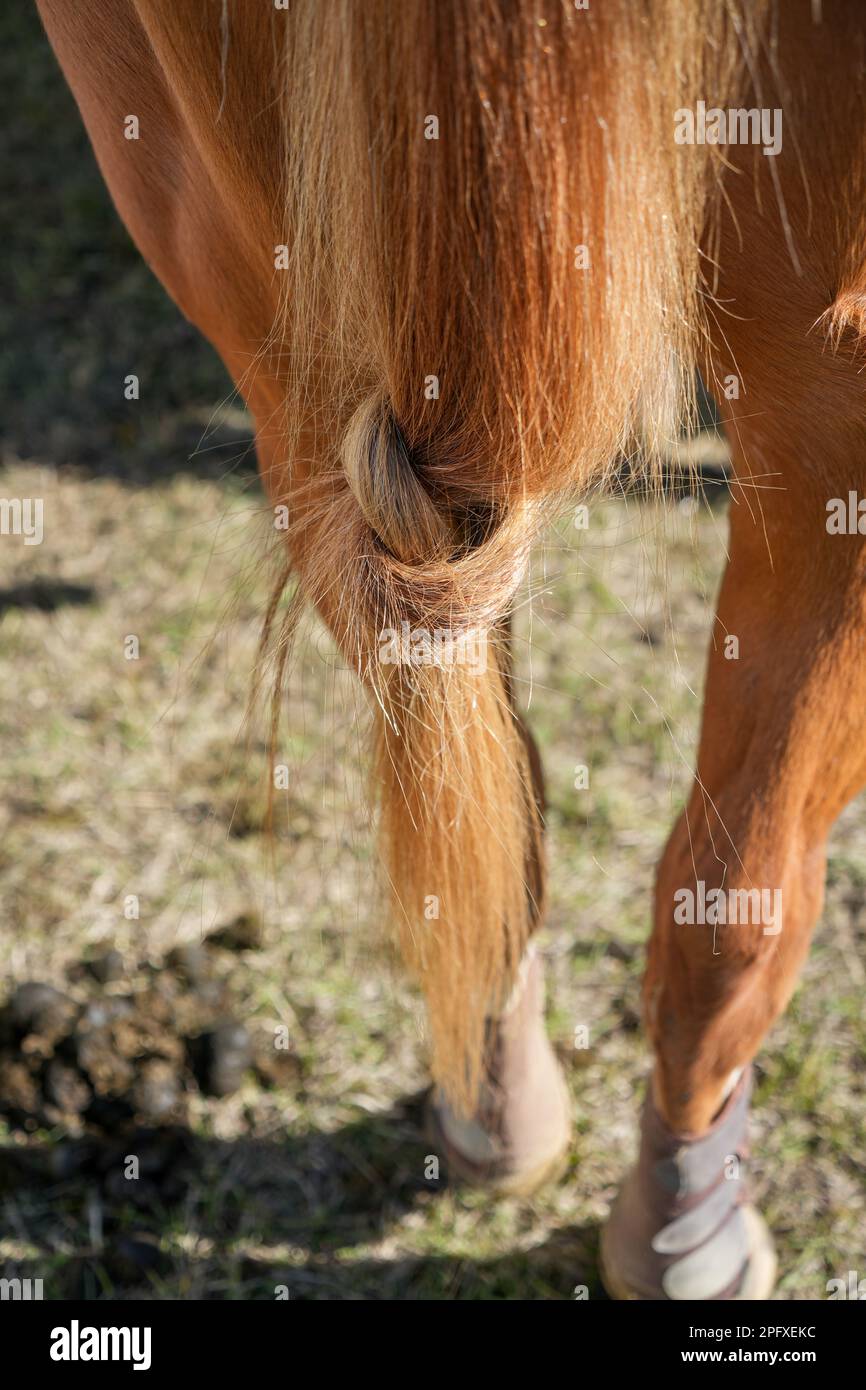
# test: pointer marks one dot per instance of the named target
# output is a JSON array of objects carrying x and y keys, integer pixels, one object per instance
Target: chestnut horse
[{"x": 457, "y": 257}]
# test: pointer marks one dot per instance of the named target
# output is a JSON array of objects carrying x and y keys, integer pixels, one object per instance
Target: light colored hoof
[
  {"x": 759, "y": 1278},
  {"x": 519, "y": 1136},
  {"x": 498, "y": 1174}
]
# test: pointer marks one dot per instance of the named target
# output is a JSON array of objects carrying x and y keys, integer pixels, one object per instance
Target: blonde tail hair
[{"x": 493, "y": 281}]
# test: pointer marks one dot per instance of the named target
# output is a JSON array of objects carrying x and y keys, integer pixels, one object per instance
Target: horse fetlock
[{"x": 519, "y": 1132}]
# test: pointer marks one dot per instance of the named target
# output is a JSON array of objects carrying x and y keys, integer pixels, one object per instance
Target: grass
[{"x": 140, "y": 777}]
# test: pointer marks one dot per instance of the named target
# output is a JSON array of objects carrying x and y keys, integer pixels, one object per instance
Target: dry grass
[{"x": 138, "y": 777}]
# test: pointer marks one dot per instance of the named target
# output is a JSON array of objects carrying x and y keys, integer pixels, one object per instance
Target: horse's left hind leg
[{"x": 520, "y": 1135}]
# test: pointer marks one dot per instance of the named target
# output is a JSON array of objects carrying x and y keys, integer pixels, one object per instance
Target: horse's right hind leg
[
  {"x": 740, "y": 885},
  {"x": 783, "y": 740}
]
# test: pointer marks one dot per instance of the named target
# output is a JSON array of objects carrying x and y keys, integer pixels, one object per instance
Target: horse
[{"x": 460, "y": 259}]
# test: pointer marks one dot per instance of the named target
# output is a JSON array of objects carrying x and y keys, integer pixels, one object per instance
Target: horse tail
[{"x": 492, "y": 282}]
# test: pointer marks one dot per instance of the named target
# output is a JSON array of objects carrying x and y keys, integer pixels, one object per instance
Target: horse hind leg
[
  {"x": 740, "y": 884},
  {"x": 783, "y": 742},
  {"x": 519, "y": 1136}
]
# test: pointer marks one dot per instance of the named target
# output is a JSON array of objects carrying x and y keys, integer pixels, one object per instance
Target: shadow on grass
[
  {"x": 205, "y": 1213},
  {"x": 45, "y": 595}
]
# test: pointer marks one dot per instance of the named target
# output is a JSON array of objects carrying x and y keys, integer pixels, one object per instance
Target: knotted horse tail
[{"x": 493, "y": 284}]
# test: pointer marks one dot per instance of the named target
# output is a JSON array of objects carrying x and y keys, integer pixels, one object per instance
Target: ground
[{"x": 143, "y": 778}]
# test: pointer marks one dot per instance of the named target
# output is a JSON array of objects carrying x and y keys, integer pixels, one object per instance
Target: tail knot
[{"x": 428, "y": 561}]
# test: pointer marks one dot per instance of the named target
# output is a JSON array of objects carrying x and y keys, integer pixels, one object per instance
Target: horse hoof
[
  {"x": 519, "y": 1137},
  {"x": 500, "y": 1175},
  {"x": 759, "y": 1275},
  {"x": 681, "y": 1227}
]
